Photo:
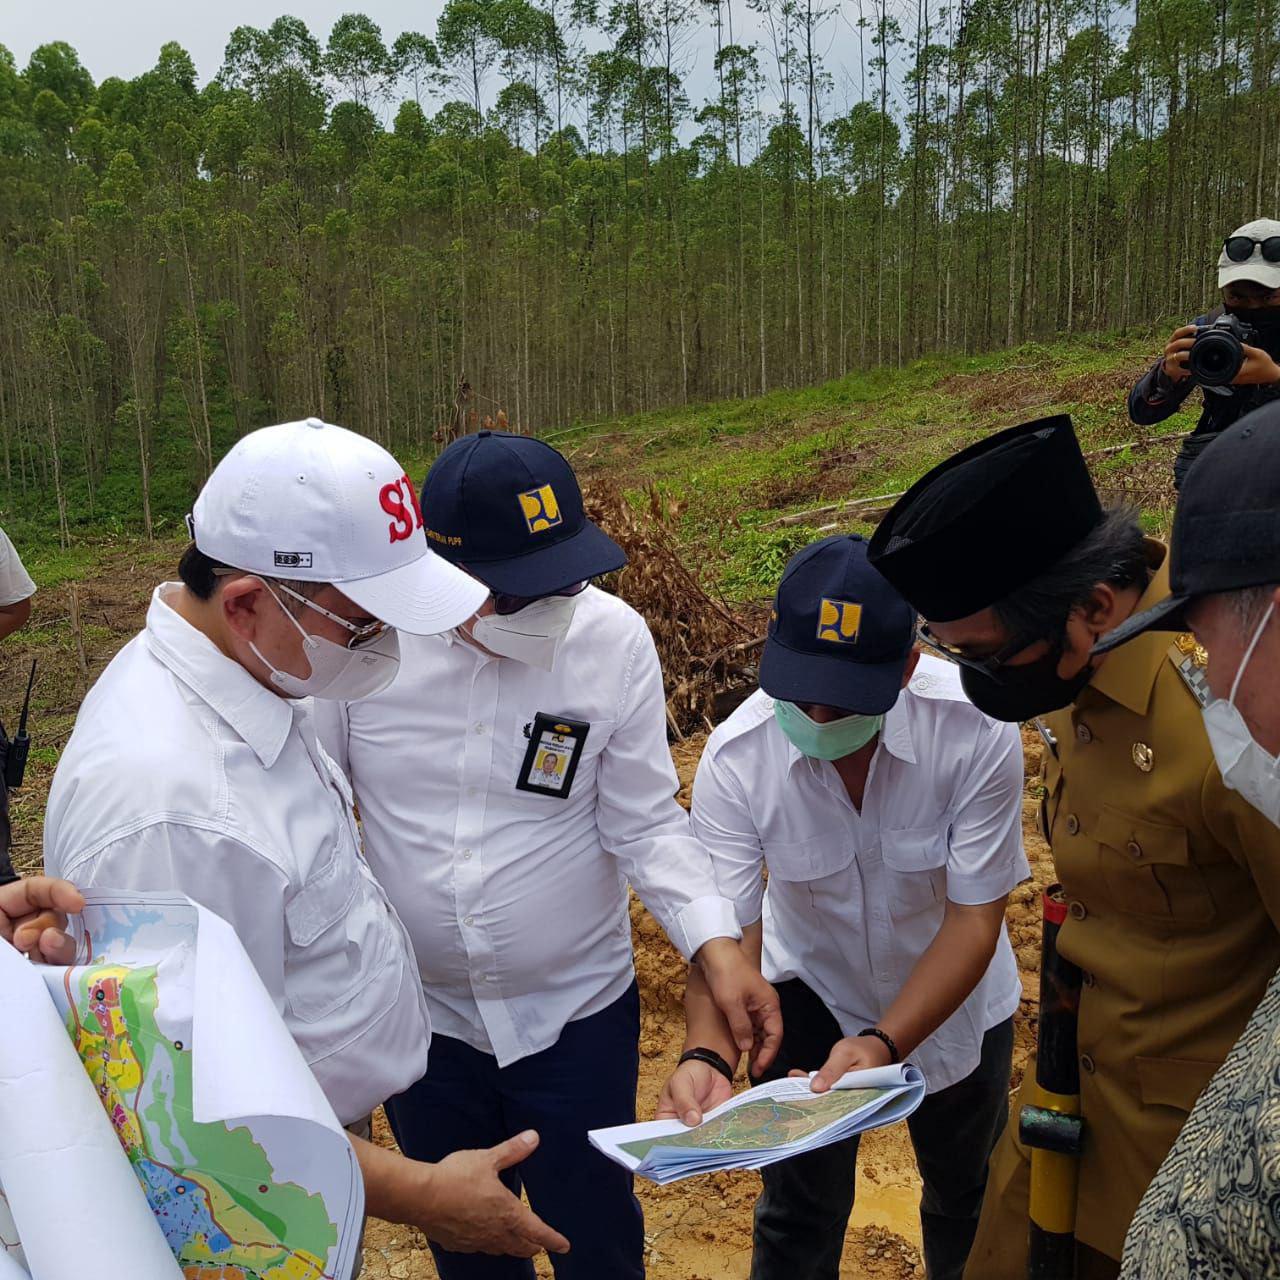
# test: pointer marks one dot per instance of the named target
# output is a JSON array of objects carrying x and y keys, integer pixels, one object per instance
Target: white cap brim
[
  {"x": 1254, "y": 269},
  {"x": 424, "y": 597}
]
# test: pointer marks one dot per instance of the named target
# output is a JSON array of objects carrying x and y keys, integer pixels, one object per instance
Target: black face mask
[
  {"x": 1022, "y": 693},
  {"x": 1265, "y": 321}
]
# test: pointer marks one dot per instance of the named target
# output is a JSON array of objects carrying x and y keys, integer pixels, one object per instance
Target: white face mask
[
  {"x": 532, "y": 635},
  {"x": 1245, "y": 765},
  {"x": 338, "y": 674}
]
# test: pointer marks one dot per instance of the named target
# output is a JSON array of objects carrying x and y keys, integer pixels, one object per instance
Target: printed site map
[
  {"x": 764, "y": 1123},
  {"x": 238, "y": 1194},
  {"x": 210, "y": 1186}
]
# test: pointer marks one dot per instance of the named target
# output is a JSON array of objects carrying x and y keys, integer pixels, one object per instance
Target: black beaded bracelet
[
  {"x": 711, "y": 1058},
  {"x": 886, "y": 1039}
]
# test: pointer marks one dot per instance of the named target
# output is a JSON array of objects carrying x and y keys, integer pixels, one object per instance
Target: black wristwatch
[
  {"x": 711, "y": 1058},
  {"x": 887, "y": 1040}
]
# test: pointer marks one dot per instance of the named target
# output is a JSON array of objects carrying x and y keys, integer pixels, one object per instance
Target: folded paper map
[
  {"x": 762, "y": 1125},
  {"x": 155, "y": 1112}
]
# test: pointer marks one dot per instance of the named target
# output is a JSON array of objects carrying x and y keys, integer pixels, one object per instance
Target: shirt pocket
[
  {"x": 1149, "y": 871},
  {"x": 915, "y": 863},
  {"x": 338, "y": 937},
  {"x": 813, "y": 858}
]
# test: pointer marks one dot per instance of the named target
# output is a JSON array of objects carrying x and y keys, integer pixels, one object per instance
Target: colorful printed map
[
  {"x": 193, "y": 1127},
  {"x": 211, "y": 1187},
  {"x": 768, "y": 1122}
]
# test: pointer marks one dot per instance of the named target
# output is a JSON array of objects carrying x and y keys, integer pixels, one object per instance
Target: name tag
[{"x": 555, "y": 747}]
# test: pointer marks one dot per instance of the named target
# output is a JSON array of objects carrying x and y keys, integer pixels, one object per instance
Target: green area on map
[{"x": 765, "y": 1123}]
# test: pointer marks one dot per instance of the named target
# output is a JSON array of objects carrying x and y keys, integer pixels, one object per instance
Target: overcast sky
[{"x": 122, "y": 38}]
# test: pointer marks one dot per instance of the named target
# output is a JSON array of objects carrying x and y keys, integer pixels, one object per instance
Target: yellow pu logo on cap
[
  {"x": 838, "y": 621},
  {"x": 541, "y": 510}
]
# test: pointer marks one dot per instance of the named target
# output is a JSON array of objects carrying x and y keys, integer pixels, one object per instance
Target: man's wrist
[
  {"x": 717, "y": 952},
  {"x": 711, "y": 1058},
  {"x": 886, "y": 1040}
]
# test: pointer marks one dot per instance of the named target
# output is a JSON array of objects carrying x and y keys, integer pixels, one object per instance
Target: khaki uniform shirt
[{"x": 1173, "y": 884}]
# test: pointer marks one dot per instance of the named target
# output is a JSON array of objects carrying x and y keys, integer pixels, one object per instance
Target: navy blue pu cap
[
  {"x": 509, "y": 509},
  {"x": 839, "y": 634}
]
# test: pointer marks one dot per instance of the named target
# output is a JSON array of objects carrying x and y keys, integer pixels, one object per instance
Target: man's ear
[
  {"x": 913, "y": 661},
  {"x": 242, "y": 601},
  {"x": 1099, "y": 612}
]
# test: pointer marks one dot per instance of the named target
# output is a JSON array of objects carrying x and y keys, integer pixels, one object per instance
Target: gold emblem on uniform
[
  {"x": 1143, "y": 757},
  {"x": 1187, "y": 646}
]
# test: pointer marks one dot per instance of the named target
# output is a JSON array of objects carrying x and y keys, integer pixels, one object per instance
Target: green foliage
[{"x": 553, "y": 221}]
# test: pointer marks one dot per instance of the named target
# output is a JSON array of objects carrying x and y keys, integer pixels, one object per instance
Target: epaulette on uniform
[{"x": 1190, "y": 659}]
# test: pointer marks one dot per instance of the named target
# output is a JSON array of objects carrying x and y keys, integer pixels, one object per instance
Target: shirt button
[
  {"x": 1073, "y": 824},
  {"x": 1077, "y": 909},
  {"x": 1084, "y": 733},
  {"x": 466, "y": 855},
  {"x": 1087, "y": 1064},
  {"x": 479, "y": 728},
  {"x": 469, "y": 920},
  {"x": 1133, "y": 849},
  {"x": 472, "y": 791}
]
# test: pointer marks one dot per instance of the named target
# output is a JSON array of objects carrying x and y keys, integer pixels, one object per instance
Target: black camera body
[{"x": 1217, "y": 352}]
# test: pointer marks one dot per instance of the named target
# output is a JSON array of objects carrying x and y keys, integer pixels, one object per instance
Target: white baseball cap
[
  {"x": 313, "y": 502},
  {"x": 1255, "y": 268}
]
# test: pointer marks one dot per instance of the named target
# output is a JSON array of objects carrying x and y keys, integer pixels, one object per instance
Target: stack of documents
[{"x": 771, "y": 1122}]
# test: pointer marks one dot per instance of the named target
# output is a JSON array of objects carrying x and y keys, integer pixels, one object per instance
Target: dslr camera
[{"x": 1218, "y": 351}]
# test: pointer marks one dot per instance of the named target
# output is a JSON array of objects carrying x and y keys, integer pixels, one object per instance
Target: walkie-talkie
[{"x": 18, "y": 748}]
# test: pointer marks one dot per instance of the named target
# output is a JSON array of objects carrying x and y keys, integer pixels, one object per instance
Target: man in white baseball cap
[
  {"x": 1237, "y": 376},
  {"x": 194, "y": 767}
]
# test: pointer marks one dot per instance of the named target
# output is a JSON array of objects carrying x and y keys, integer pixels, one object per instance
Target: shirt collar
[
  {"x": 259, "y": 716},
  {"x": 1129, "y": 673}
]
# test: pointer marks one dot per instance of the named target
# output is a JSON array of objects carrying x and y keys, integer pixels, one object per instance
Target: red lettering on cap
[
  {"x": 413, "y": 497},
  {"x": 401, "y": 526}
]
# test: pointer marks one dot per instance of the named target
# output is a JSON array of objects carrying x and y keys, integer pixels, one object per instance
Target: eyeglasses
[
  {"x": 503, "y": 603},
  {"x": 1240, "y": 248},
  {"x": 361, "y": 636},
  {"x": 984, "y": 666}
]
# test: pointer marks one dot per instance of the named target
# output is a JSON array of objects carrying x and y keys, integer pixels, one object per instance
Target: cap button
[{"x": 314, "y": 422}]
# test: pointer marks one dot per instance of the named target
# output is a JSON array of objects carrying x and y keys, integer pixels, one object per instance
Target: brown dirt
[{"x": 696, "y": 1230}]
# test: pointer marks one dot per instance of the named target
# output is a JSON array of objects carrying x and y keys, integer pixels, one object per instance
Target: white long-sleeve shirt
[
  {"x": 855, "y": 898},
  {"x": 184, "y": 773},
  {"x": 516, "y": 901}
]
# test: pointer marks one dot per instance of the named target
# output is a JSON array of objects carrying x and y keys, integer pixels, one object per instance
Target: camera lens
[{"x": 1215, "y": 358}]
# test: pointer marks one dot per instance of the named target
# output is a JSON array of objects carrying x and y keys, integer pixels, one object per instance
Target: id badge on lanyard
[{"x": 551, "y": 760}]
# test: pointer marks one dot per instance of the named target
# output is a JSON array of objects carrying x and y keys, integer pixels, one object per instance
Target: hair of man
[{"x": 1113, "y": 552}]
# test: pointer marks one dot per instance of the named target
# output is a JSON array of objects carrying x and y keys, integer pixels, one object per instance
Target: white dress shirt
[
  {"x": 184, "y": 773},
  {"x": 854, "y": 899},
  {"x": 516, "y": 902}
]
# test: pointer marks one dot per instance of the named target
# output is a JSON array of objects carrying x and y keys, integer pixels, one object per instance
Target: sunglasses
[
  {"x": 503, "y": 603},
  {"x": 1240, "y": 248},
  {"x": 983, "y": 666}
]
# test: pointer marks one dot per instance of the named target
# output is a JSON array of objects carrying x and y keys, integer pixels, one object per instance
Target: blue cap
[
  {"x": 508, "y": 507},
  {"x": 839, "y": 634}
]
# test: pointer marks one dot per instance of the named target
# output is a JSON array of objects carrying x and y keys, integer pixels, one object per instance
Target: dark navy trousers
[{"x": 586, "y": 1080}]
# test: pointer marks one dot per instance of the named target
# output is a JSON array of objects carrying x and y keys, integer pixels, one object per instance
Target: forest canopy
[{"x": 529, "y": 199}]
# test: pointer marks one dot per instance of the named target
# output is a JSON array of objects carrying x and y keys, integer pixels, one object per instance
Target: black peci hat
[
  {"x": 1226, "y": 529},
  {"x": 988, "y": 520}
]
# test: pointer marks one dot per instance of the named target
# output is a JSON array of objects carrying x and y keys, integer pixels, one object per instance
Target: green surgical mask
[{"x": 828, "y": 741}]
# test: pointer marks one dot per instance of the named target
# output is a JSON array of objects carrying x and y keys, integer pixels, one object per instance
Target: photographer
[{"x": 1238, "y": 368}]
